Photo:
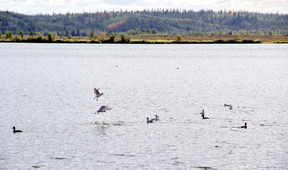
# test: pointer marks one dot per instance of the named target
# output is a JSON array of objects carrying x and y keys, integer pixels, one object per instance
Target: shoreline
[{"x": 154, "y": 40}]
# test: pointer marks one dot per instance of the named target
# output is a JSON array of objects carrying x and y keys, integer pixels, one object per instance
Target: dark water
[{"x": 46, "y": 90}]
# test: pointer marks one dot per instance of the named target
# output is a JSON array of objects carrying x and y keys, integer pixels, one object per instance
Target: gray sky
[{"x": 64, "y": 6}]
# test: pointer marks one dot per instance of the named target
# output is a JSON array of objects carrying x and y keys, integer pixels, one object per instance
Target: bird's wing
[
  {"x": 102, "y": 108},
  {"x": 96, "y": 91},
  {"x": 107, "y": 108}
]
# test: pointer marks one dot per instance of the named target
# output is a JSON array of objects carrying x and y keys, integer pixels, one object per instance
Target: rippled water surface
[{"x": 46, "y": 90}]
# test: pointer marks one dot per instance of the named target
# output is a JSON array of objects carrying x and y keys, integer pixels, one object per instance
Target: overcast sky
[{"x": 64, "y": 6}]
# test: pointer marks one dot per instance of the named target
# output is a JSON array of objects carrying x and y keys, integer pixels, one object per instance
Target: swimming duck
[
  {"x": 97, "y": 93},
  {"x": 245, "y": 126},
  {"x": 157, "y": 118},
  {"x": 150, "y": 121},
  {"x": 102, "y": 109},
  {"x": 16, "y": 131},
  {"x": 204, "y": 117},
  {"x": 202, "y": 113},
  {"x": 228, "y": 105}
]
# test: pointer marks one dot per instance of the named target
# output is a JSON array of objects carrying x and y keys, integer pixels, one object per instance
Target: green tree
[
  {"x": 31, "y": 34},
  {"x": 0, "y": 34},
  {"x": 124, "y": 38},
  {"x": 50, "y": 37},
  {"x": 74, "y": 33},
  {"x": 8, "y": 34},
  {"x": 92, "y": 34},
  {"x": 154, "y": 31},
  {"x": 112, "y": 37},
  {"x": 21, "y": 33}
]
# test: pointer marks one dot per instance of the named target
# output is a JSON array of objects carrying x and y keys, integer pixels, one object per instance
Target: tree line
[{"x": 150, "y": 21}]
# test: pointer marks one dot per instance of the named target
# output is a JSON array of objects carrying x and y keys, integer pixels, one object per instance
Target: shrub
[
  {"x": 179, "y": 38},
  {"x": 124, "y": 38},
  {"x": 103, "y": 36},
  {"x": 112, "y": 37},
  {"x": 8, "y": 34}
]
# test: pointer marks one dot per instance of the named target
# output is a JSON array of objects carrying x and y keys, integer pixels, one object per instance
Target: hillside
[{"x": 146, "y": 21}]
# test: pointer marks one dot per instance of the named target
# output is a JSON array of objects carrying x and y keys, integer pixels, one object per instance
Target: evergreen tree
[
  {"x": 21, "y": 33},
  {"x": 92, "y": 34},
  {"x": 154, "y": 31},
  {"x": 153, "y": 21},
  {"x": 31, "y": 34}
]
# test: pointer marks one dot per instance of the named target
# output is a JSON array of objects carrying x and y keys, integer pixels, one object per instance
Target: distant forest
[{"x": 160, "y": 21}]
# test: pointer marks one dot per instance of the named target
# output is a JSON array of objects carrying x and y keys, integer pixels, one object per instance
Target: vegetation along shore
[{"x": 146, "y": 26}]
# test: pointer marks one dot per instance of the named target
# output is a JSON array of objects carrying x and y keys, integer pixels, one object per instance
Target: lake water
[{"x": 46, "y": 90}]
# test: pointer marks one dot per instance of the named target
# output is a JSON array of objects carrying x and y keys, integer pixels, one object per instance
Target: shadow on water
[
  {"x": 58, "y": 158},
  {"x": 101, "y": 130},
  {"x": 120, "y": 123}
]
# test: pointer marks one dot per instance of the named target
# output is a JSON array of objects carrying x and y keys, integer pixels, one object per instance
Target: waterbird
[
  {"x": 157, "y": 118},
  {"x": 228, "y": 105},
  {"x": 150, "y": 121},
  {"x": 202, "y": 113},
  {"x": 204, "y": 117},
  {"x": 245, "y": 126},
  {"x": 97, "y": 93},
  {"x": 16, "y": 131},
  {"x": 103, "y": 109}
]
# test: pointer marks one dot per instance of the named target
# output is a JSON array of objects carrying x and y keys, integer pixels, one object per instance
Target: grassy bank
[{"x": 151, "y": 39}]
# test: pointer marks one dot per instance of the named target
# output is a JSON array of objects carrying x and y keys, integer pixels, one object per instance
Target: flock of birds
[
  {"x": 225, "y": 105},
  {"x": 105, "y": 108},
  {"x": 102, "y": 108},
  {"x": 152, "y": 120}
]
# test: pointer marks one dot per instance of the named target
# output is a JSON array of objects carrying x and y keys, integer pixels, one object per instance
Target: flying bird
[
  {"x": 103, "y": 109},
  {"x": 97, "y": 93}
]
